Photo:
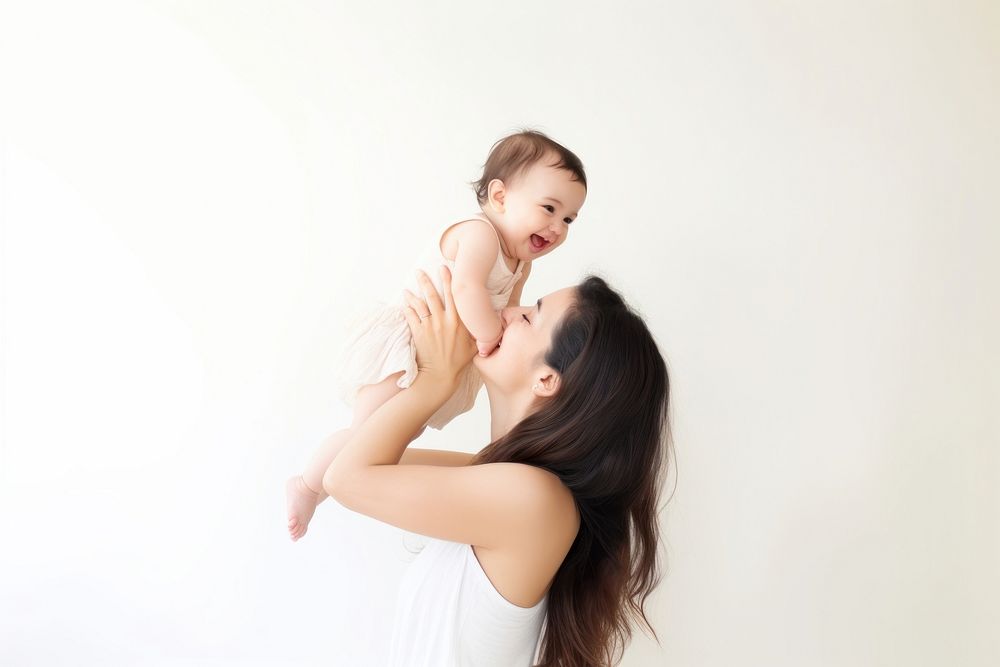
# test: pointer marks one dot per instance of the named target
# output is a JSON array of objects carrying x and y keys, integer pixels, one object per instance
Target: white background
[{"x": 801, "y": 198}]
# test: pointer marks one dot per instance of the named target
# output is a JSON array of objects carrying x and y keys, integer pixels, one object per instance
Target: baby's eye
[
  {"x": 549, "y": 207},
  {"x": 525, "y": 318},
  {"x": 568, "y": 221}
]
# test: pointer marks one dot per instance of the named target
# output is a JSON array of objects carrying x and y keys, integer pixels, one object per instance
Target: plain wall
[{"x": 801, "y": 198}]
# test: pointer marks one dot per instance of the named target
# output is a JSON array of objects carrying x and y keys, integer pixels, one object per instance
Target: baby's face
[{"x": 539, "y": 207}]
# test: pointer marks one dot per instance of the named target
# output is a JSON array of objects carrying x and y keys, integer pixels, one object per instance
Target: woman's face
[{"x": 519, "y": 362}]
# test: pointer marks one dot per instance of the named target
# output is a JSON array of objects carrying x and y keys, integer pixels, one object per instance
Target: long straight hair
[{"x": 606, "y": 435}]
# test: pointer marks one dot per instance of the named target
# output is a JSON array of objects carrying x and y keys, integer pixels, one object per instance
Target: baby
[{"x": 530, "y": 191}]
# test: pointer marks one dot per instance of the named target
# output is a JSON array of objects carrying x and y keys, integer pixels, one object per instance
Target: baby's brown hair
[{"x": 515, "y": 153}]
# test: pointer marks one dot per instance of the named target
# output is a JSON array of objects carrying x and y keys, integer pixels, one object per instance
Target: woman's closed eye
[{"x": 525, "y": 318}]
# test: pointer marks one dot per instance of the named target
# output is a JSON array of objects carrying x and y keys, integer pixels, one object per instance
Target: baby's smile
[{"x": 538, "y": 242}]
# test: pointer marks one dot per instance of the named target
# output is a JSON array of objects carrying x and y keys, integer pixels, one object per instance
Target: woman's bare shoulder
[{"x": 522, "y": 571}]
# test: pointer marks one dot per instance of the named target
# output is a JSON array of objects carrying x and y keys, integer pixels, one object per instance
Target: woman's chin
[{"x": 479, "y": 362}]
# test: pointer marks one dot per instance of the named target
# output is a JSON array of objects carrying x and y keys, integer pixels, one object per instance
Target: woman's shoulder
[
  {"x": 522, "y": 571},
  {"x": 549, "y": 480},
  {"x": 556, "y": 515},
  {"x": 549, "y": 504}
]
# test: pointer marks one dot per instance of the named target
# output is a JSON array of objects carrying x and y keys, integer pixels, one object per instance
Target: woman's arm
[
  {"x": 434, "y": 457},
  {"x": 382, "y": 438},
  {"x": 493, "y": 505},
  {"x": 444, "y": 348}
]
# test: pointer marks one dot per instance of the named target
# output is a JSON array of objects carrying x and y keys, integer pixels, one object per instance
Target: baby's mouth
[{"x": 537, "y": 242}]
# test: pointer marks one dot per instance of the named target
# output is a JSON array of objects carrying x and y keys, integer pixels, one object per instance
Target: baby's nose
[{"x": 511, "y": 314}]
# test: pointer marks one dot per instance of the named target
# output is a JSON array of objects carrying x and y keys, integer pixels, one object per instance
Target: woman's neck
[{"x": 505, "y": 411}]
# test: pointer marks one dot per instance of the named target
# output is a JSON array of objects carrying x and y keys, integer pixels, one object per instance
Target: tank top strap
[
  {"x": 500, "y": 260},
  {"x": 501, "y": 264}
]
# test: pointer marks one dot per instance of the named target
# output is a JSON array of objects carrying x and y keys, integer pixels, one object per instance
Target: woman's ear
[
  {"x": 547, "y": 385},
  {"x": 496, "y": 192}
]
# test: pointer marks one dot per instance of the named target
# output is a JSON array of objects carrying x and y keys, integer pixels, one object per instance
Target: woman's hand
[{"x": 444, "y": 346}]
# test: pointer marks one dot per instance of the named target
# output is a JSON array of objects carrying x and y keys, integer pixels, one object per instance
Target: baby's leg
[{"x": 304, "y": 492}]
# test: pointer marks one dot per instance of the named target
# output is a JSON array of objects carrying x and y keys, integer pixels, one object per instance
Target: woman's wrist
[{"x": 435, "y": 385}]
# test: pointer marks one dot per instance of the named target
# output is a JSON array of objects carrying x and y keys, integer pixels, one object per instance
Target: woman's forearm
[{"x": 383, "y": 437}]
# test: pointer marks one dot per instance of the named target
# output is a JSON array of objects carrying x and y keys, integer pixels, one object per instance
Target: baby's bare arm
[{"x": 476, "y": 254}]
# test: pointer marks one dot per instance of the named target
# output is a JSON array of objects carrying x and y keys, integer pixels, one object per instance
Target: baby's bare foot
[{"x": 301, "y": 505}]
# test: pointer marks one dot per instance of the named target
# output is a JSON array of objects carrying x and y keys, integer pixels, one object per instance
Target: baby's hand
[{"x": 487, "y": 347}]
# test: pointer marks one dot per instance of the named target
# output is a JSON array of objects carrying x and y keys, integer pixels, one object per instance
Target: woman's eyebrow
[{"x": 538, "y": 305}]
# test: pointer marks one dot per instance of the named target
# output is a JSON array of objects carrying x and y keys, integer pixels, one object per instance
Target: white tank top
[{"x": 449, "y": 614}]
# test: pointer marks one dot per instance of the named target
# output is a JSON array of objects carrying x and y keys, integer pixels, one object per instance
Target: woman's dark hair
[
  {"x": 515, "y": 153},
  {"x": 606, "y": 435}
]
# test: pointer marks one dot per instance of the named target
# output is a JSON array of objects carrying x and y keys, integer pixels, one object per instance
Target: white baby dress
[{"x": 379, "y": 342}]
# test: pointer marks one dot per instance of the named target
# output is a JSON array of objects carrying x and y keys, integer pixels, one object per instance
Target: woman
[{"x": 556, "y": 519}]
